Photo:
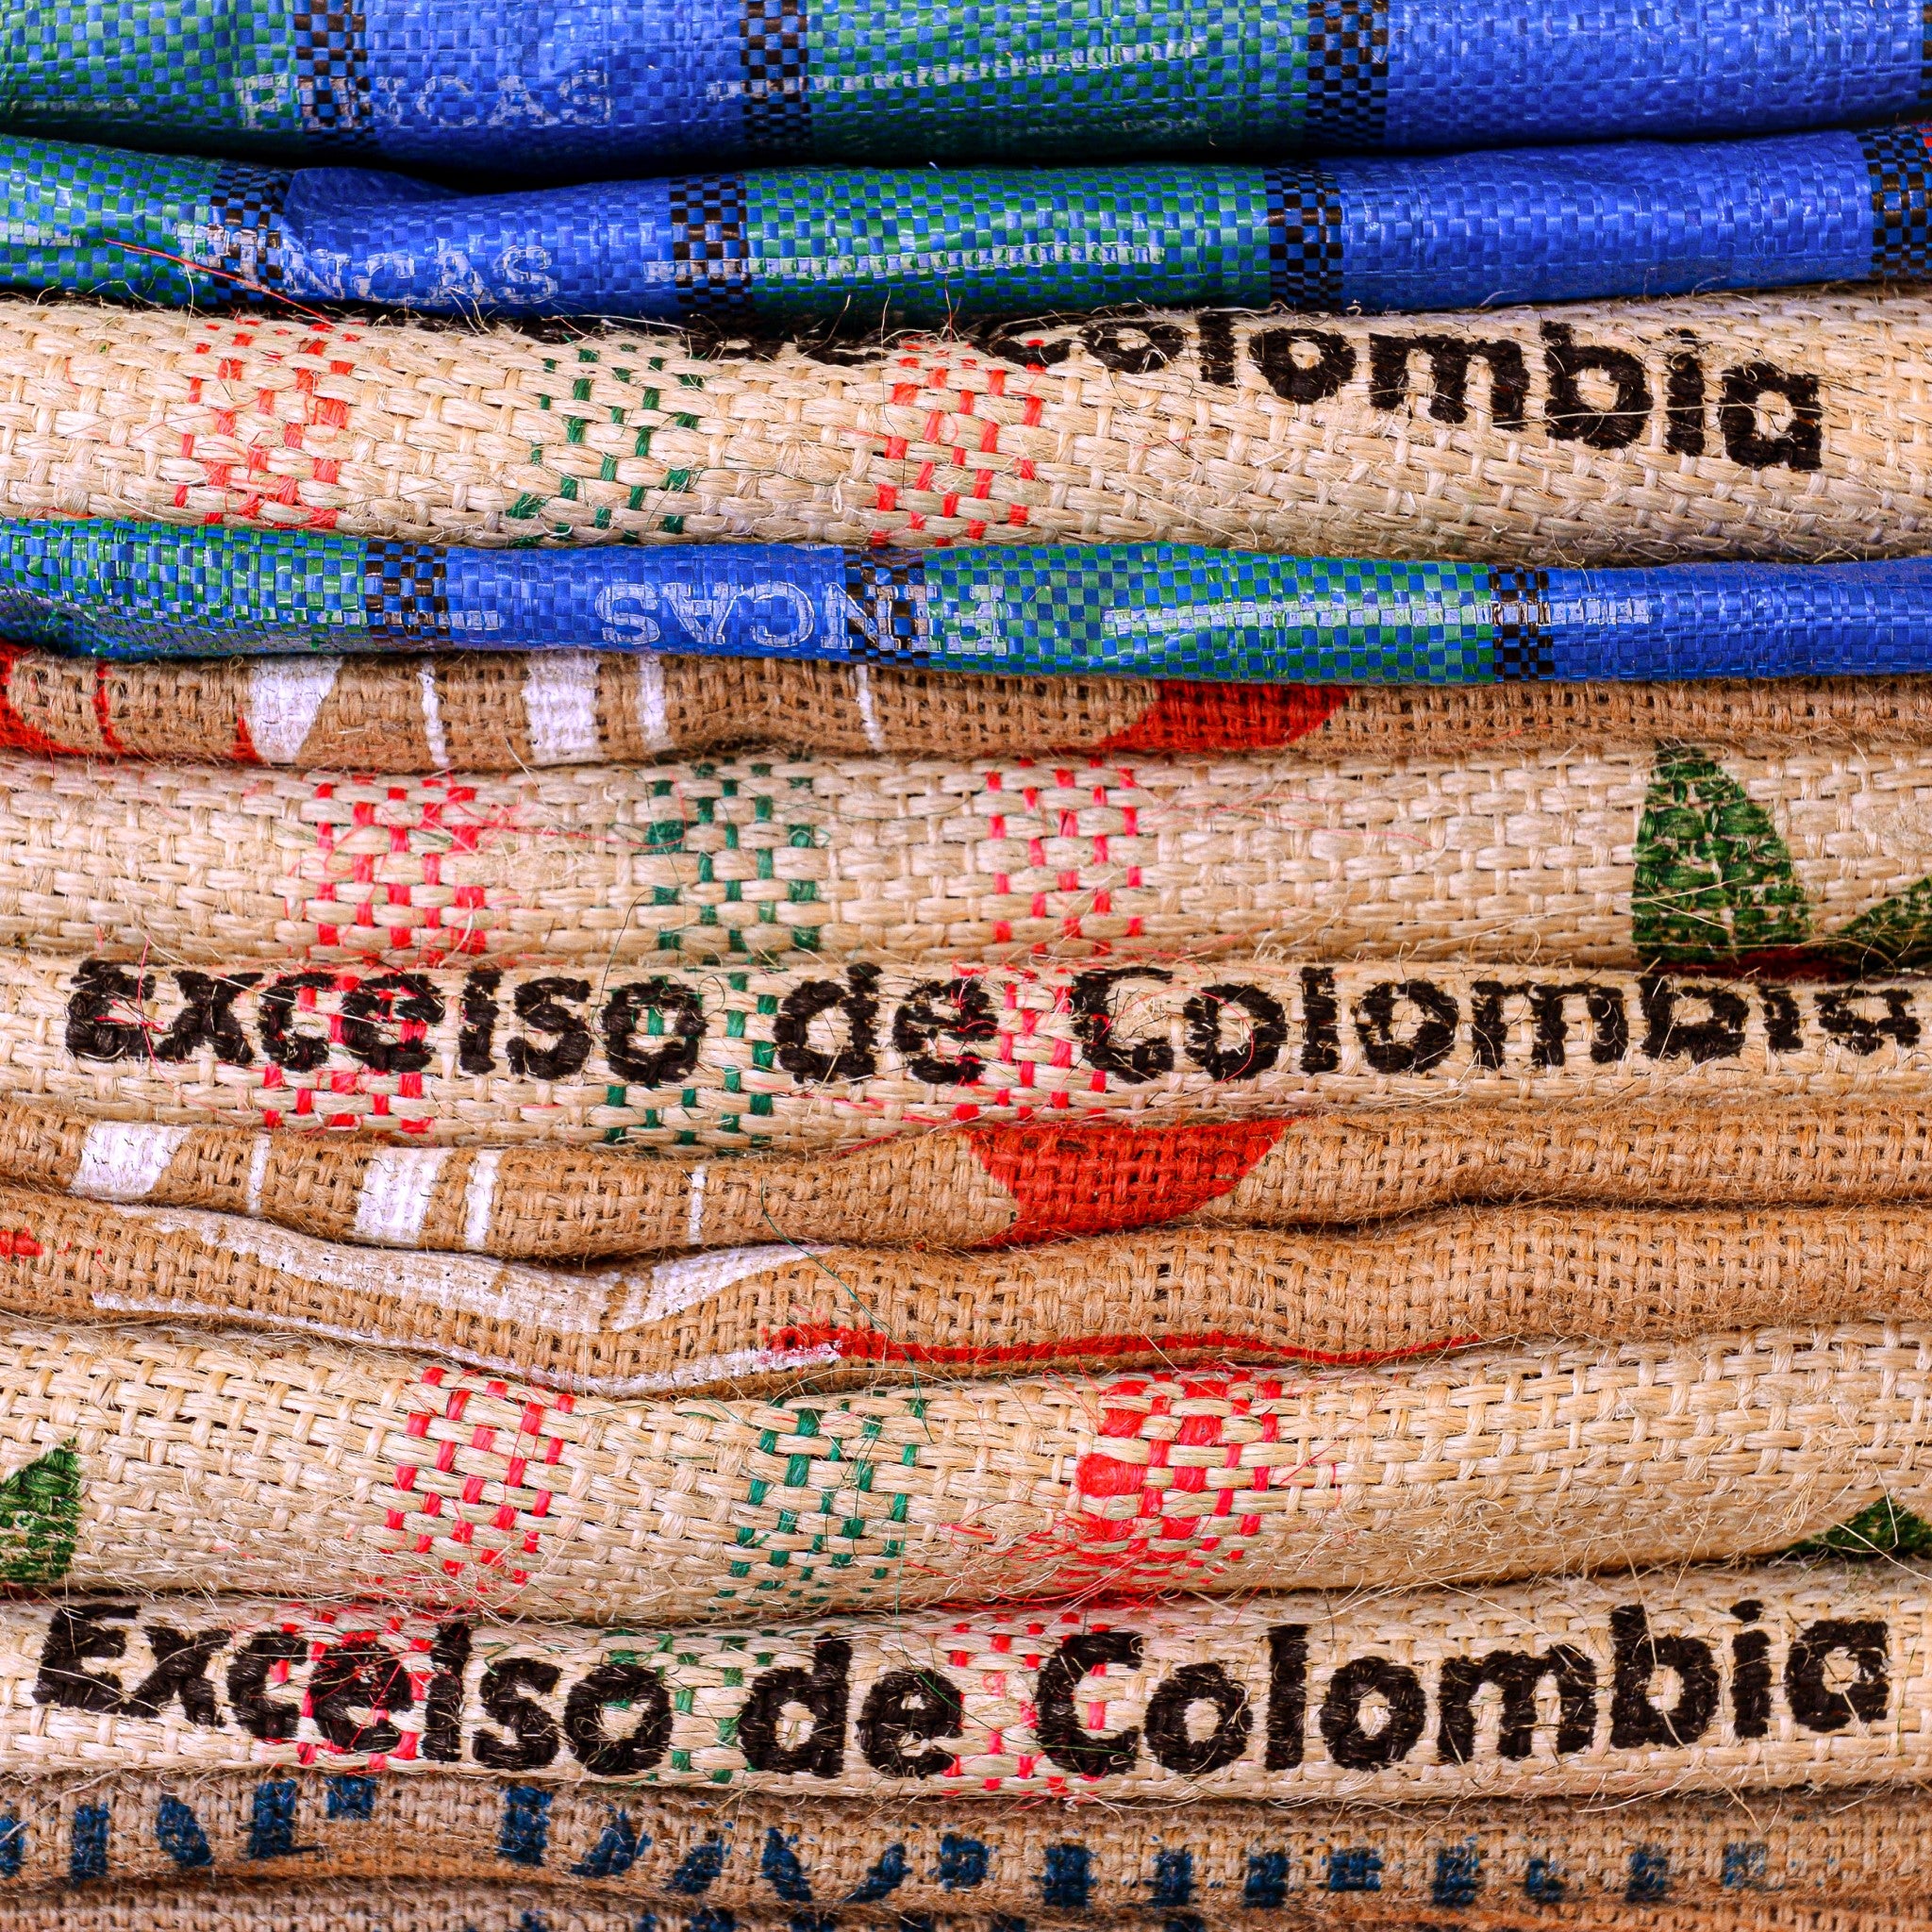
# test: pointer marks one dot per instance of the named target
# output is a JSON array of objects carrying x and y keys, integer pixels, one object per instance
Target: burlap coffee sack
[
  {"x": 1810, "y": 862},
  {"x": 816, "y": 1056},
  {"x": 373, "y": 1906},
  {"x": 1789, "y": 426},
  {"x": 743, "y": 1853},
  {"x": 479, "y": 712},
  {"x": 145, "y": 1458},
  {"x": 739, "y": 1319},
  {"x": 1723, "y": 1681}
]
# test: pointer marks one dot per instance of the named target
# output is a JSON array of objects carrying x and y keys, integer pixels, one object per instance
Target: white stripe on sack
[
  {"x": 396, "y": 1189},
  {"x": 479, "y": 1199},
  {"x": 868, "y": 715},
  {"x": 284, "y": 696},
  {"x": 654, "y": 719},
  {"x": 258, "y": 1171},
  {"x": 121, "y": 1160},
  {"x": 433, "y": 734},
  {"x": 560, "y": 706},
  {"x": 694, "y": 1228}
]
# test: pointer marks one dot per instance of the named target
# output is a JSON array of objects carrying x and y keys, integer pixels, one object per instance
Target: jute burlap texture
[
  {"x": 738, "y": 1319},
  {"x": 796, "y": 1056},
  {"x": 1594, "y": 858},
  {"x": 1727, "y": 1680},
  {"x": 1788, "y": 426},
  {"x": 479, "y": 712},
  {"x": 981, "y": 1187},
  {"x": 152, "y": 1459},
  {"x": 175, "y": 1829}
]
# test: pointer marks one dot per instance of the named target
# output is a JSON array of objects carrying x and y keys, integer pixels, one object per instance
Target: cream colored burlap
[
  {"x": 820, "y": 1055},
  {"x": 157, "y": 1460},
  {"x": 1596, "y": 858},
  {"x": 1721, "y": 1680},
  {"x": 1244, "y": 1860},
  {"x": 1432, "y": 436},
  {"x": 481, "y": 713},
  {"x": 979, "y": 1187},
  {"x": 765, "y": 1318}
]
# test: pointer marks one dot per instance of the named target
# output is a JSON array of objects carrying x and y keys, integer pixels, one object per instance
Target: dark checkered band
[
  {"x": 1901, "y": 232},
  {"x": 1348, "y": 74},
  {"x": 1522, "y": 650},
  {"x": 1304, "y": 238},
  {"x": 405, "y": 592},
  {"x": 778, "y": 116},
  {"x": 709, "y": 251},
  {"x": 886, "y": 615},
  {"x": 331, "y": 66},
  {"x": 245, "y": 234}
]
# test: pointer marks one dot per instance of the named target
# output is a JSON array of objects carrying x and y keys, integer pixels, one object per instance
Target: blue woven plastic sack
[
  {"x": 790, "y": 246},
  {"x": 534, "y": 85},
  {"x": 1152, "y": 609}
]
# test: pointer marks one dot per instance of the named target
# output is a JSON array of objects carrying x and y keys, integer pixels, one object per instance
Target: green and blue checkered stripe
[{"x": 1141, "y": 609}]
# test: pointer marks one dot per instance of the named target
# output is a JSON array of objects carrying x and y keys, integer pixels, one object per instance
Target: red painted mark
[
  {"x": 16, "y": 1243},
  {"x": 16, "y": 734},
  {"x": 1101, "y": 1178},
  {"x": 1229, "y": 717}
]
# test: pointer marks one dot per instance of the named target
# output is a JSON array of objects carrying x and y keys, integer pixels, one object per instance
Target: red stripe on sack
[
  {"x": 873, "y": 1345},
  {"x": 1101, "y": 1180},
  {"x": 1229, "y": 717},
  {"x": 16, "y": 734}
]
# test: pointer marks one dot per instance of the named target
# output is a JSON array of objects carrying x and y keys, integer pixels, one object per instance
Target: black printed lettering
[
  {"x": 283, "y": 1042},
  {"x": 857, "y": 1058},
  {"x": 1489, "y": 1021},
  {"x": 442, "y": 1706},
  {"x": 1783, "y": 1032},
  {"x": 1865, "y": 1033},
  {"x": 1133, "y": 1062},
  {"x": 1062, "y": 1736},
  {"x": 1566, "y": 363},
  {"x": 1133, "y": 348},
  {"x": 539, "y": 1005},
  {"x": 1636, "y": 1721},
  {"x": 533, "y": 1739},
  {"x": 1865, "y": 1645},
  {"x": 100, "y": 991},
  {"x": 74, "y": 1638},
  {"x": 910, "y": 1706},
  {"x": 1288, "y": 1695},
  {"x": 1426, "y": 1047},
  {"x": 180, "y": 1672},
  {"x": 475, "y": 1042},
  {"x": 1247, "y": 1059},
  {"x": 1449, "y": 358},
  {"x": 274, "y": 1721},
  {"x": 1350, "y": 1744},
  {"x": 1321, "y": 1021},
  {"x": 823, "y": 1692},
  {"x": 1027, "y": 352},
  {"x": 1216, "y": 331},
  {"x": 208, "y": 1019},
  {"x": 637, "y": 1750},
  {"x": 1302, "y": 365},
  {"x": 1667, "y": 1036},
  {"x": 944, "y": 1009},
  {"x": 657, "y": 1066},
  {"x": 1799, "y": 446},
  {"x": 1684, "y": 399},
  {"x": 1516, "y": 1674},
  {"x": 1172, "y": 1740},
  {"x": 404, "y": 1004},
  {"x": 1751, "y": 1674},
  {"x": 352, "y": 1691}
]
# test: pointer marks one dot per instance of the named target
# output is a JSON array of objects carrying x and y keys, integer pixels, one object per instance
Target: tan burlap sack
[
  {"x": 1790, "y": 425},
  {"x": 157, "y": 1460},
  {"x": 1731, "y": 1680},
  {"x": 483, "y": 712},
  {"x": 743, "y": 1853},
  {"x": 774, "y": 1317},
  {"x": 980, "y": 1187},
  {"x": 819, "y": 1055},
  {"x": 372, "y": 1905},
  {"x": 1818, "y": 862}
]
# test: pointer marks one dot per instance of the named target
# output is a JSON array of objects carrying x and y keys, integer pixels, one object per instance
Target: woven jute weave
[
  {"x": 765, "y": 1318},
  {"x": 774, "y": 1055},
  {"x": 1791, "y": 426},
  {"x": 980, "y": 1187},
  {"x": 154, "y": 1459},
  {"x": 1817, "y": 862},
  {"x": 745, "y": 1854},
  {"x": 478, "y": 712},
  {"x": 1726, "y": 1680}
]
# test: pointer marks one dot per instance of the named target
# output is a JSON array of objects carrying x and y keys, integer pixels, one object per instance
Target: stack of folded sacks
[{"x": 700, "y": 1272}]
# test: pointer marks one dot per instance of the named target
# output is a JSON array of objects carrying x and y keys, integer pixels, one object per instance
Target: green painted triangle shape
[
  {"x": 40, "y": 1518},
  {"x": 1713, "y": 878},
  {"x": 1895, "y": 936},
  {"x": 1879, "y": 1529}
]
